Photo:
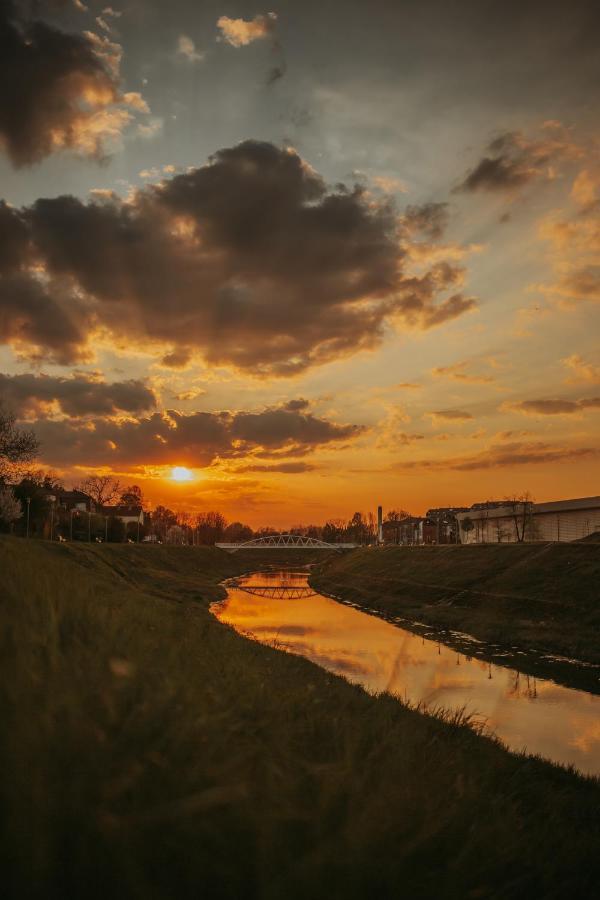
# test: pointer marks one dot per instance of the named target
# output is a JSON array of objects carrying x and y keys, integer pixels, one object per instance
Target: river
[{"x": 526, "y": 713}]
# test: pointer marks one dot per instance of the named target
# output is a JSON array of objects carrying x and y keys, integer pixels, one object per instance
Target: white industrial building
[{"x": 503, "y": 522}]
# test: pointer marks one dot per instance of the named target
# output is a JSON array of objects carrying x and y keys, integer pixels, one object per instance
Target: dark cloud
[
  {"x": 296, "y": 405},
  {"x": 554, "y": 407},
  {"x": 249, "y": 260},
  {"x": 57, "y": 90},
  {"x": 289, "y": 468},
  {"x": 451, "y": 415},
  {"x": 513, "y": 160},
  {"x": 195, "y": 439},
  {"x": 429, "y": 219},
  {"x": 504, "y": 456},
  {"x": 79, "y": 395},
  {"x": 178, "y": 359}
]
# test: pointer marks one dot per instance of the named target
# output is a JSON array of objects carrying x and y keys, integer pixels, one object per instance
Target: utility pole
[{"x": 28, "y": 501}]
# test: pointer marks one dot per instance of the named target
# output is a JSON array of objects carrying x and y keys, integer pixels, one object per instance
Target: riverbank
[
  {"x": 536, "y": 606},
  {"x": 147, "y": 750}
]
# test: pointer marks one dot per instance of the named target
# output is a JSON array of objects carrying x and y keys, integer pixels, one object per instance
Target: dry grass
[{"x": 148, "y": 751}]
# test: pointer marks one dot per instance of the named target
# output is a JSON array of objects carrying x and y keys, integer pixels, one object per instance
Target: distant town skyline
[{"x": 294, "y": 262}]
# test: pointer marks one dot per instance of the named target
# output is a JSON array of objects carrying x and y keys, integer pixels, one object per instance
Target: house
[
  {"x": 507, "y": 522},
  {"x": 410, "y": 530},
  {"x": 73, "y": 500},
  {"x": 126, "y": 514},
  {"x": 446, "y": 523}
]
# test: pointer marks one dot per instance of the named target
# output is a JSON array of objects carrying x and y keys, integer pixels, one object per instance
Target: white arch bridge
[{"x": 280, "y": 541}]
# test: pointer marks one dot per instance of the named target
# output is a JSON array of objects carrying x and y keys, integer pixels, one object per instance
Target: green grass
[
  {"x": 539, "y": 596},
  {"x": 148, "y": 751}
]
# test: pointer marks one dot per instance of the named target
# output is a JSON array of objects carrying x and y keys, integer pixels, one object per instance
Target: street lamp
[{"x": 52, "y": 500}]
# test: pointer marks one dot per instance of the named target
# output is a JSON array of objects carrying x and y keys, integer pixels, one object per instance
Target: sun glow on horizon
[{"x": 181, "y": 473}]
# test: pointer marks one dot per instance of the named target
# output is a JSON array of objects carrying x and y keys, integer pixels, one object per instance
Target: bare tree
[
  {"x": 17, "y": 445},
  {"x": 521, "y": 513},
  {"x": 101, "y": 488},
  {"x": 393, "y": 519}
]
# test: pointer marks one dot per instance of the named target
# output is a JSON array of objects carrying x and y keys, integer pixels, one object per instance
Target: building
[
  {"x": 501, "y": 521},
  {"x": 410, "y": 530},
  {"x": 74, "y": 499},
  {"x": 127, "y": 514},
  {"x": 446, "y": 523}
]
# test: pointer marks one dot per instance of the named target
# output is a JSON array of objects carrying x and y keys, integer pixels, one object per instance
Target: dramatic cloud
[
  {"x": 197, "y": 439},
  {"x": 553, "y": 407},
  {"x": 249, "y": 260},
  {"x": 58, "y": 90},
  {"x": 457, "y": 372},
  {"x": 79, "y": 395},
  {"x": 514, "y": 160},
  {"x": 240, "y": 33}
]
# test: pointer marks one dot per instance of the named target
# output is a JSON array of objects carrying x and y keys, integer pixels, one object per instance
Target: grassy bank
[
  {"x": 148, "y": 751},
  {"x": 545, "y": 597}
]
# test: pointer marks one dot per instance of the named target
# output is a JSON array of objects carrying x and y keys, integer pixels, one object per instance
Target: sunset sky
[{"x": 324, "y": 255}]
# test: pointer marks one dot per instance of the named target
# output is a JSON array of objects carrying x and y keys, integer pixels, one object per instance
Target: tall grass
[{"x": 148, "y": 751}]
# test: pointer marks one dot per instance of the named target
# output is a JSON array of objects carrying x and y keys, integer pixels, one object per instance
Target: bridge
[
  {"x": 281, "y": 592},
  {"x": 278, "y": 541}
]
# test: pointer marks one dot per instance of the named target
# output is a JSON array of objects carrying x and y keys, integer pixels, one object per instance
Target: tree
[
  {"x": 17, "y": 445},
  {"x": 34, "y": 490},
  {"x": 210, "y": 527},
  {"x": 101, "y": 488},
  {"x": 10, "y": 508},
  {"x": 521, "y": 513},
  {"x": 467, "y": 525},
  {"x": 132, "y": 496},
  {"x": 237, "y": 533},
  {"x": 161, "y": 519}
]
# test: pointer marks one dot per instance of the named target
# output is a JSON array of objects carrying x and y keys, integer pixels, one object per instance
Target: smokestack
[{"x": 379, "y": 525}]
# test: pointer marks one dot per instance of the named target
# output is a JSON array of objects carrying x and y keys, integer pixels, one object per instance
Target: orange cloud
[{"x": 240, "y": 33}]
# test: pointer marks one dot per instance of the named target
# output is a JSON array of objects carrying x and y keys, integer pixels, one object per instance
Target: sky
[{"x": 322, "y": 255}]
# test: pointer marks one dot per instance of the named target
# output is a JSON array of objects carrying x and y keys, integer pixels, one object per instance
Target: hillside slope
[
  {"x": 542, "y": 596},
  {"x": 148, "y": 751}
]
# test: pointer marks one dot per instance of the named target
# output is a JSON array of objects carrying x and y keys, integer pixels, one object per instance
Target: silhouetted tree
[
  {"x": 237, "y": 533},
  {"x": 101, "y": 488},
  {"x": 132, "y": 496},
  {"x": 521, "y": 513},
  {"x": 17, "y": 445}
]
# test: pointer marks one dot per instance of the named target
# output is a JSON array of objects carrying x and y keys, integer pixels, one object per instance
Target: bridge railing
[{"x": 279, "y": 541}]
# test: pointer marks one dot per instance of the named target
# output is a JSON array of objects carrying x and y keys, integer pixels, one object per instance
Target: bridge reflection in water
[
  {"x": 283, "y": 592},
  {"x": 535, "y": 714}
]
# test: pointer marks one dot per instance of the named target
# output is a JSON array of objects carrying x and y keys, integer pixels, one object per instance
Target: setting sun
[{"x": 180, "y": 473}]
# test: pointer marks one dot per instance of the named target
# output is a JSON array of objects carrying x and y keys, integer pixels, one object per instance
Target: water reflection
[{"x": 529, "y": 713}]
